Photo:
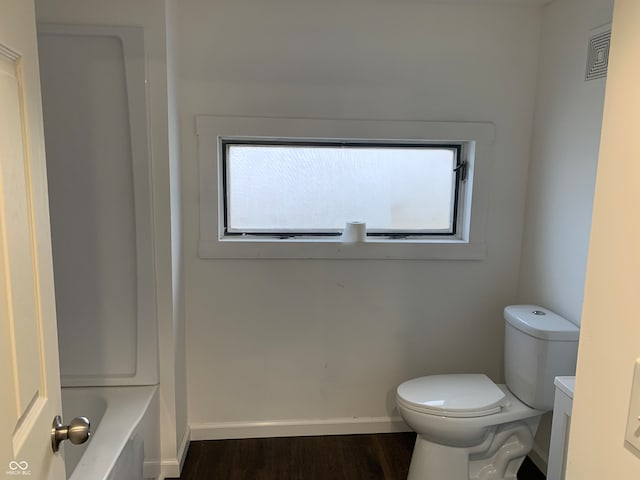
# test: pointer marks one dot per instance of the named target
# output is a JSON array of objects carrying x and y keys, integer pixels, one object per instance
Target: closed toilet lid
[{"x": 460, "y": 395}]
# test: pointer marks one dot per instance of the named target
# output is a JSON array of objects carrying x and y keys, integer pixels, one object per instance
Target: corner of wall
[{"x": 564, "y": 152}]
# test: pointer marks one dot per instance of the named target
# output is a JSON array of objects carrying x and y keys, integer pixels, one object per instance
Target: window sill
[{"x": 383, "y": 249}]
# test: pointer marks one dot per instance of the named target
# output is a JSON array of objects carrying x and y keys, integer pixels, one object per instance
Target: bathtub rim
[{"x": 126, "y": 407}]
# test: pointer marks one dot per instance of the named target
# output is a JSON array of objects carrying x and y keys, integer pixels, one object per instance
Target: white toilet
[{"x": 471, "y": 428}]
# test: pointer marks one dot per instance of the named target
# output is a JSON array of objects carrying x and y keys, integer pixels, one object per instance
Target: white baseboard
[
  {"x": 540, "y": 458},
  {"x": 295, "y": 428},
  {"x": 184, "y": 447},
  {"x": 172, "y": 467},
  {"x": 159, "y": 470},
  {"x": 152, "y": 470}
]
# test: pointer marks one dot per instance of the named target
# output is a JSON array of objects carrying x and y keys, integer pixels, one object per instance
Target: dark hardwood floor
[{"x": 339, "y": 457}]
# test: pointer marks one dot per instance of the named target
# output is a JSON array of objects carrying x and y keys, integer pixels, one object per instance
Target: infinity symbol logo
[{"x": 13, "y": 465}]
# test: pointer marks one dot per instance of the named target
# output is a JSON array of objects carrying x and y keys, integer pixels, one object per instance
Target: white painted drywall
[
  {"x": 564, "y": 159},
  {"x": 609, "y": 342},
  {"x": 274, "y": 340},
  {"x": 563, "y": 168},
  {"x": 177, "y": 247},
  {"x": 152, "y": 15}
]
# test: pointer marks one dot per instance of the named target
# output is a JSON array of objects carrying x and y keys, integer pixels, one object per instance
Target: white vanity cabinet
[{"x": 560, "y": 427}]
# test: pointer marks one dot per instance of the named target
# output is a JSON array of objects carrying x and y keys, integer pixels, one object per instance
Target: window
[
  {"x": 289, "y": 188},
  {"x": 285, "y": 188}
]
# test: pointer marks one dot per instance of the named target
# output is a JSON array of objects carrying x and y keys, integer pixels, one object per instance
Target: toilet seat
[{"x": 458, "y": 395}]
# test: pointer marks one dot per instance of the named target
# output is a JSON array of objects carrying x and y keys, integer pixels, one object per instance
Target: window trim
[{"x": 476, "y": 138}]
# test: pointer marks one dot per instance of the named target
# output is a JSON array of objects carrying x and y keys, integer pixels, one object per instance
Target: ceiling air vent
[{"x": 598, "y": 57}]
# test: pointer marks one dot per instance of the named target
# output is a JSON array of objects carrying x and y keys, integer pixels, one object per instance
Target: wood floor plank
[{"x": 341, "y": 457}]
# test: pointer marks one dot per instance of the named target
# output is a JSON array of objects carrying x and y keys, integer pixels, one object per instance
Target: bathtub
[{"x": 115, "y": 450}]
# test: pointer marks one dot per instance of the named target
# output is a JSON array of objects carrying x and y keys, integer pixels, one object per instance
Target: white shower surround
[{"x": 108, "y": 370}]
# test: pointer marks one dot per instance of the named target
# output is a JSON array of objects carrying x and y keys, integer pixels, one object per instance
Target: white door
[{"x": 29, "y": 374}]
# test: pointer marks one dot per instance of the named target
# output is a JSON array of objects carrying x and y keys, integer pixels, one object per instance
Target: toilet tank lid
[{"x": 541, "y": 323}]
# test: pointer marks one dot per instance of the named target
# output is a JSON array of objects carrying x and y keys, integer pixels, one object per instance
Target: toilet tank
[{"x": 539, "y": 346}]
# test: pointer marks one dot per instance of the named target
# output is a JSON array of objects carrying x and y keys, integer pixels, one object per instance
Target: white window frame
[{"x": 469, "y": 243}]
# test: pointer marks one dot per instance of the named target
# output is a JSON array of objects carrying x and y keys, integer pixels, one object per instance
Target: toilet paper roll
[{"x": 354, "y": 232}]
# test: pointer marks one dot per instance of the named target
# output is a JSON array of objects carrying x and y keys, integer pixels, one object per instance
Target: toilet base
[{"x": 498, "y": 457}]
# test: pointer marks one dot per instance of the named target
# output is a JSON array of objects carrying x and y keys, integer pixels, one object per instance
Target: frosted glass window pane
[{"x": 318, "y": 188}]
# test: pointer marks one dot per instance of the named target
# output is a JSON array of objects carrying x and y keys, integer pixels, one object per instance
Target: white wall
[
  {"x": 564, "y": 159},
  {"x": 177, "y": 246},
  {"x": 609, "y": 342},
  {"x": 152, "y": 15},
  {"x": 274, "y": 340},
  {"x": 563, "y": 168}
]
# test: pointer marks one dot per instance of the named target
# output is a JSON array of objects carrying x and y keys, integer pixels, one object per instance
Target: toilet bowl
[
  {"x": 473, "y": 440},
  {"x": 470, "y": 428}
]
